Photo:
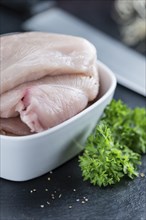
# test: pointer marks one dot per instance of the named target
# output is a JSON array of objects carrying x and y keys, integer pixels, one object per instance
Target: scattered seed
[
  {"x": 49, "y": 178},
  {"x": 142, "y": 174},
  {"x": 31, "y": 191},
  {"x": 86, "y": 200},
  {"x": 48, "y": 203},
  {"x": 42, "y": 206},
  {"x": 51, "y": 172},
  {"x": 59, "y": 196},
  {"x": 52, "y": 196},
  {"x": 74, "y": 190},
  {"x": 55, "y": 191},
  {"x": 34, "y": 190},
  {"x": 77, "y": 200},
  {"x": 46, "y": 190},
  {"x": 83, "y": 202},
  {"x": 70, "y": 206}
]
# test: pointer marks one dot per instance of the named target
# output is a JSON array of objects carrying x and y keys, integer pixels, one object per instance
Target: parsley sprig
[
  {"x": 127, "y": 125},
  {"x": 112, "y": 150}
]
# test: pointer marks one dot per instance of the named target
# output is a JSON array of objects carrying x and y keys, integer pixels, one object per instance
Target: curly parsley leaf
[
  {"x": 112, "y": 150},
  {"x": 128, "y": 126},
  {"x": 105, "y": 162}
]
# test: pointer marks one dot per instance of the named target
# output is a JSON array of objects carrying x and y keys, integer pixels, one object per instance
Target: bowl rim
[{"x": 85, "y": 111}]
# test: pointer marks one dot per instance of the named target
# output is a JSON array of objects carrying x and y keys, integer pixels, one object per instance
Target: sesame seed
[
  {"x": 142, "y": 174},
  {"x": 59, "y": 196},
  {"x": 48, "y": 203},
  {"x": 34, "y": 190},
  {"x": 49, "y": 178},
  {"x": 86, "y": 200},
  {"x": 53, "y": 197},
  {"x": 46, "y": 190},
  {"x": 74, "y": 190},
  {"x": 51, "y": 172},
  {"x": 31, "y": 191},
  {"x": 55, "y": 191},
  {"x": 83, "y": 202},
  {"x": 69, "y": 176},
  {"x": 42, "y": 206},
  {"x": 77, "y": 200},
  {"x": 70, "y": 206}
]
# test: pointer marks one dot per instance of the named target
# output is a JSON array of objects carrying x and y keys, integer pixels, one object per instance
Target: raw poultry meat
[
  {"x": 9, "y": 99},
  {"x": 44, "y": 106},
  {"x": 13, "y": 126},
  {"x": 45, "y": 79},
  {"x": 30, "y": 56}
]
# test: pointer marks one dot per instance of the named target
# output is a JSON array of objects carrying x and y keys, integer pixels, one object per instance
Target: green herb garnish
[
  {"x": 127, "y": 126},
  {"x": 113, "y": 149}
]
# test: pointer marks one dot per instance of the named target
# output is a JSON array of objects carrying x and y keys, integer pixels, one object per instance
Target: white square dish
[{"x": 27, "y": 157}]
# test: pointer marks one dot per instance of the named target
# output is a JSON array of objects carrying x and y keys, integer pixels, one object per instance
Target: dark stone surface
[{"x": 123, "y": 201}]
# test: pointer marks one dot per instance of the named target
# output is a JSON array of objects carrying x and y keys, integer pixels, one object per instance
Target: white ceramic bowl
[{"x": 27, "y": 157}]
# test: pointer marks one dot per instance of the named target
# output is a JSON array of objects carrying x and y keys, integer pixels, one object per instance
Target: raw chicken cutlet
[{"x": 45, "y": 80}]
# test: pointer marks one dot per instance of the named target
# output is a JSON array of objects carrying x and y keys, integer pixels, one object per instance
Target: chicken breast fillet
[
  {"x": 30, "y": 56},
  {"x": 45, "y": 79}
]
